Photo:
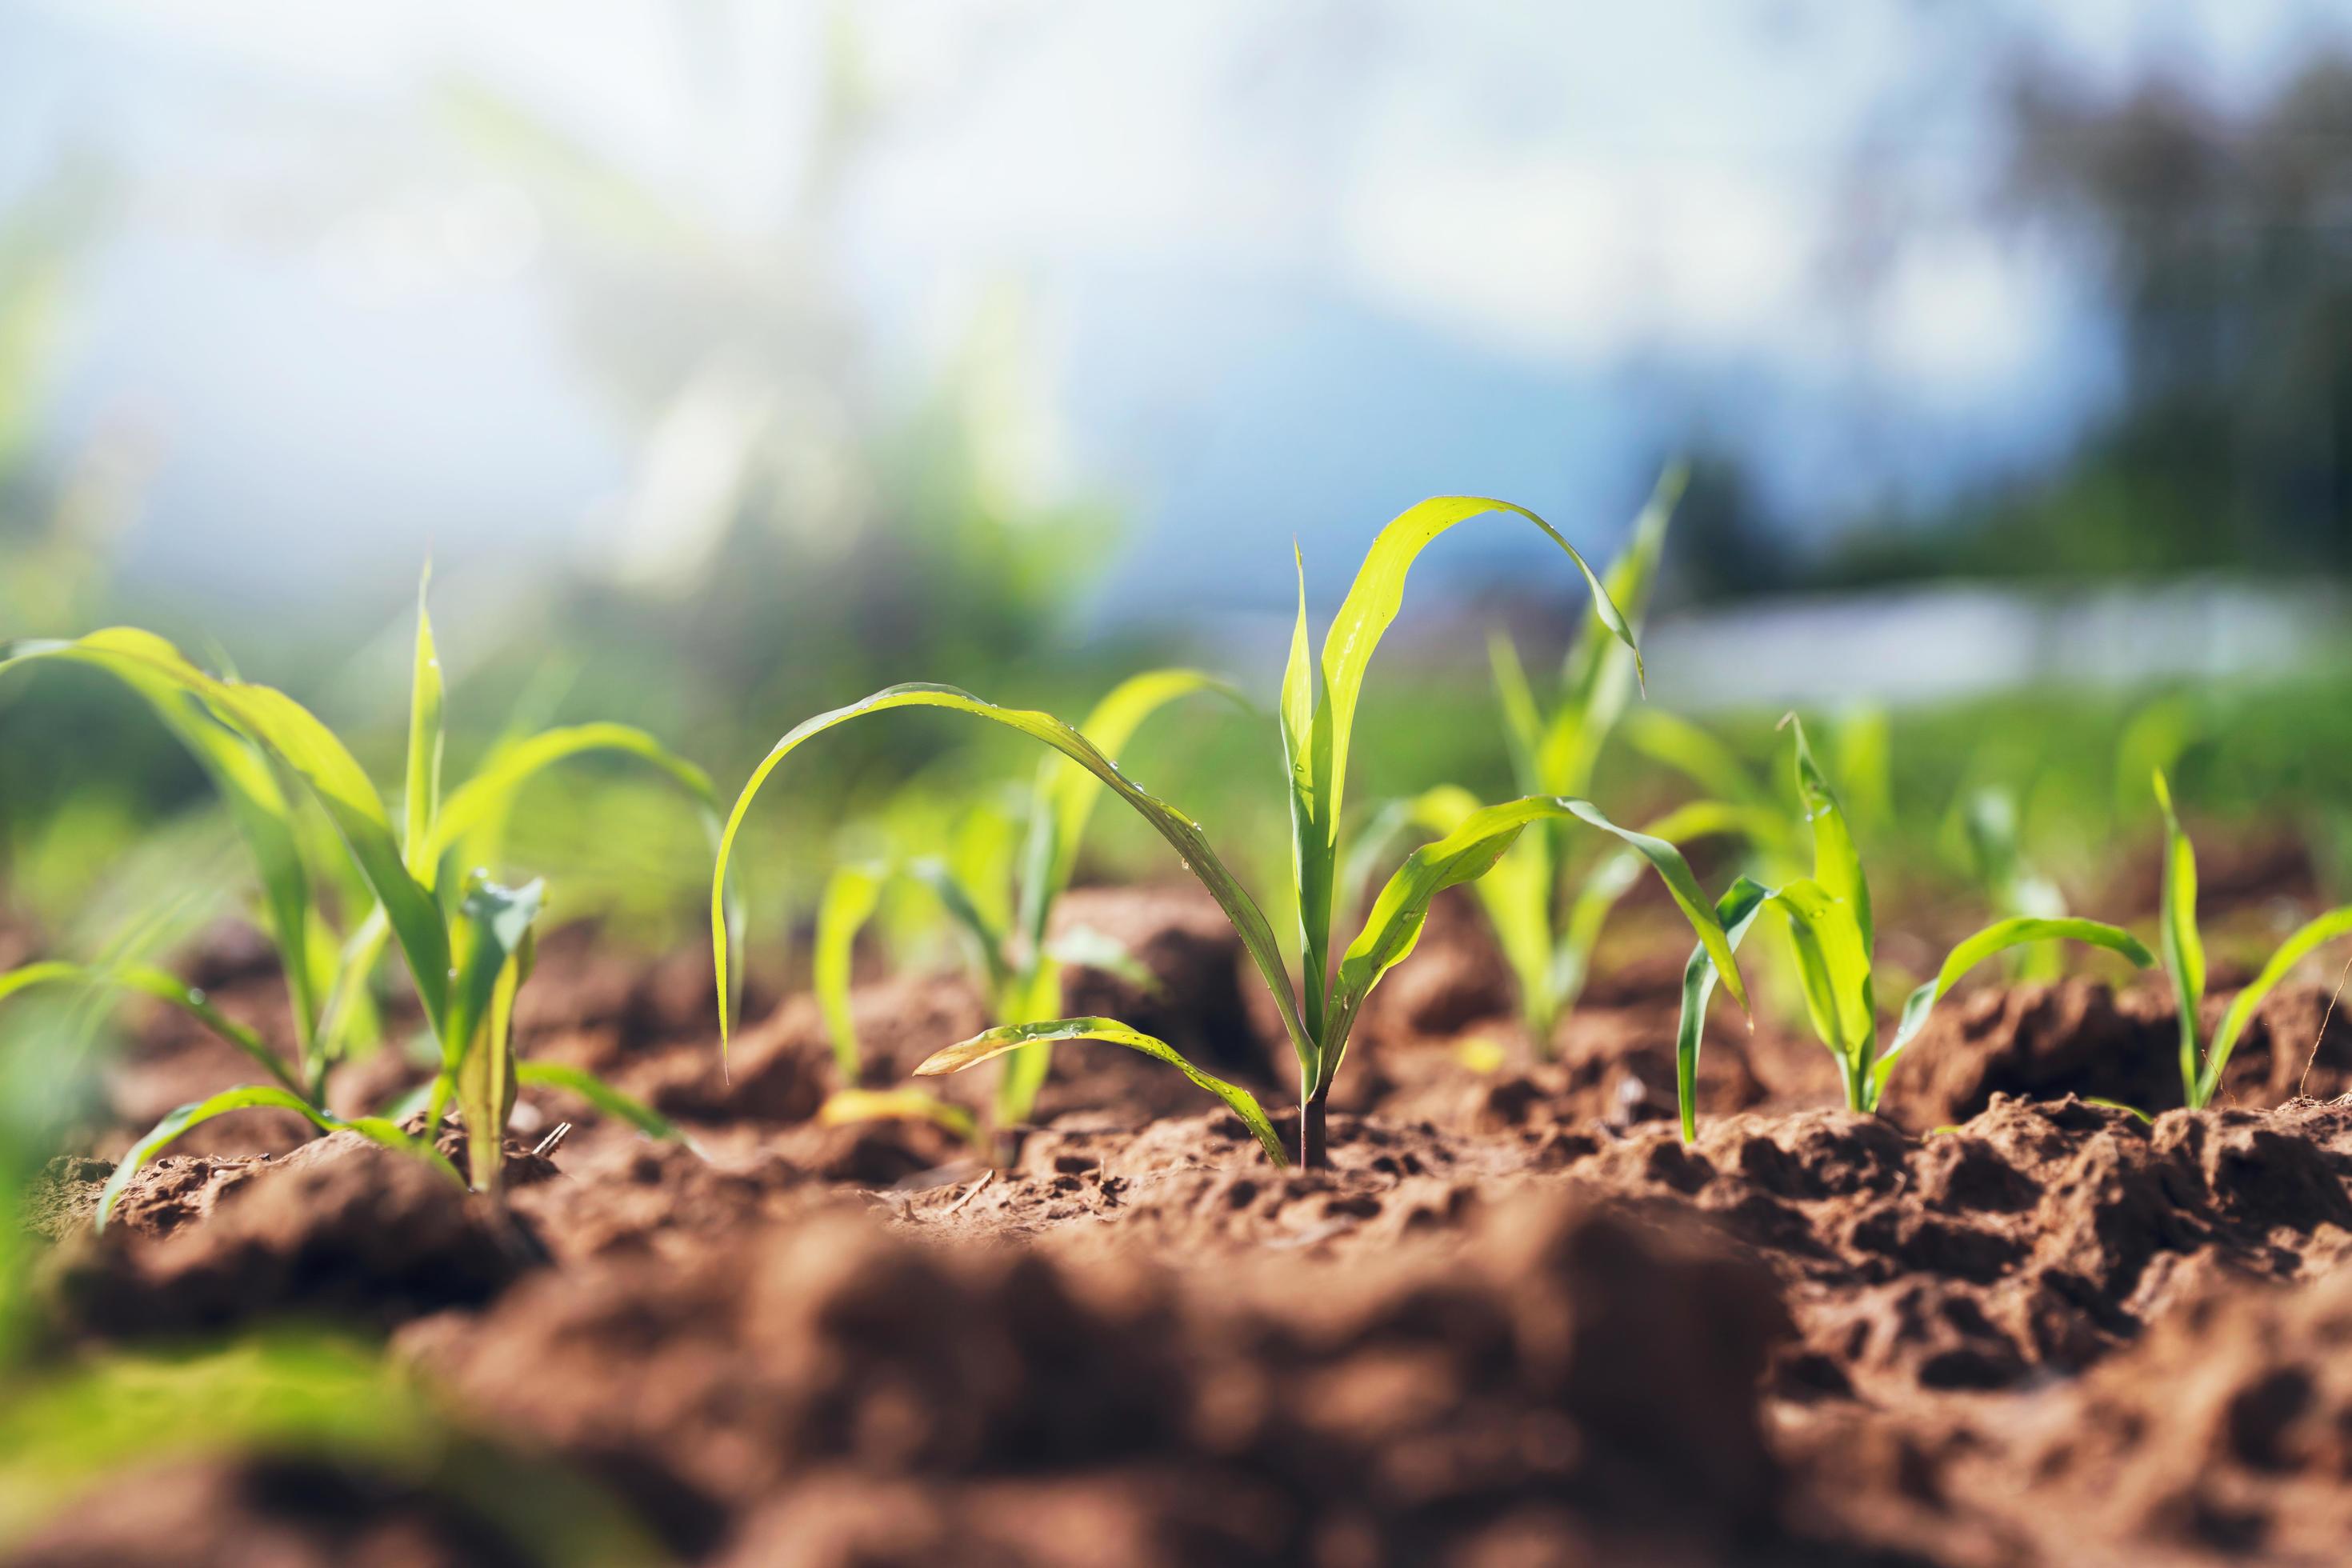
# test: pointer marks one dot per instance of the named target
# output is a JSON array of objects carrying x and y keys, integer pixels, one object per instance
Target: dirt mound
[
  {"x": 342, "y": 1228},
  {"x": 2077, "y": 1036},
  {"x": 1564, "y": 1383},
  {"x": 284, "y": 1511}
]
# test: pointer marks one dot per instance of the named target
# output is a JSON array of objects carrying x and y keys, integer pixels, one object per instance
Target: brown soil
[{"x": 1518, "y": 1323}]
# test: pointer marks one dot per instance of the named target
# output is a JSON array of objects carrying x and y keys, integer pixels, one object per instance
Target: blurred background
[{"x": 731, "y": 360}]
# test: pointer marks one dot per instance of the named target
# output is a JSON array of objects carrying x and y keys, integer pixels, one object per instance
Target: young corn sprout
[
  {"x": 1547, "y": 912},
  {"x": 1017, "y": 958},
  {"x": 1830, "y": 934},
  {"x": 467, "y": 941},
  {"x": 2184, "y": 961},
  {"x": 1317, "y": 719}
]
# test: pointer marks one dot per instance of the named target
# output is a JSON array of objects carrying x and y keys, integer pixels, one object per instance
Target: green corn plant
[
  {"x": 1828, "y": 919},
  {"x": 1016, "y": 962},
  {"x": 1548, "y": 913},
  {"x": 466, "y": 942},
  {"x": 1316, "y": 720},
  {"x": 2184, "y": 961}
]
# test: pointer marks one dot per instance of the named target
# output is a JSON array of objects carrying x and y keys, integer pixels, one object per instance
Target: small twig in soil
[
  {"x": 976, "y": 1188},
  {"x": 2323, "y": 1018}
]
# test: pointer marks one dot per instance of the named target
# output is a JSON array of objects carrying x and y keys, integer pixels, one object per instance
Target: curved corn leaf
[
  {"x": 1180, "y": 831},
  {"x": 152, "y": 669},
  {"x": 1317, "y": 750},
  {"x": 483, "y": 800},
  {"x": 2118, "y": 1105},
  {"x": 1066, "y": 793},
  {"x": 1996, "y": 938},
  {"x": 2314, "y": 934},
  {"x": 426, "y": 738},
  {"x": 620, "y": 1107},
  {"x": 843, "y": 909},
  {"x": 1469, "y": 851},
  {"x": 1515, "y": 893},
  {"x": 2184, "y": 949},
  {"x": 1378, "y": 593},
  {"x": 253, "y": 1097},
  {"x": 164, "y": 987},
  {"x": 1109, "y": 1031},
  {"x": 1837, "y": 863},
  {"x": 1735, "y": 911},
  {"x": 339, "y": 783},
  {"x": 1598, "y": 675},
  {"x": 843, "y": 1107}
]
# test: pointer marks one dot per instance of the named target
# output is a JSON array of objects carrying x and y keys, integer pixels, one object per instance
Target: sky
[{"x": 528, "y": 282}]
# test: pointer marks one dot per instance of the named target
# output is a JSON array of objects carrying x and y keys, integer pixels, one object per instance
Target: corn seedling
[
  {"x": 1548, "y": 915},
  {"x": 467, "y": 941},
  {"x": 1828, "y": 919},
  {"x": 1017, "y": 962},
  {"x": 1317, "y": 719},
  {"x": 2184, "y": 961}
]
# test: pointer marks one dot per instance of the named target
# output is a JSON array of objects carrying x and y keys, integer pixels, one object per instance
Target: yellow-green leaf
[{"x": 1109, "y": 1031}]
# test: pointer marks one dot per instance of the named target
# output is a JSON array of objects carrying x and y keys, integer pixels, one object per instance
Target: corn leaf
[
  {"x": 491, "y": 944},
  {"x": 483, "y": 801},
  {"x": 164, "y": 987},
  {"x": 1833, "y": 971},
  {"x": 843, "y": 909},
  {"x": 1306, "y": 725},
  {"x": 427, "y": 737},
  {"x": 1736, "y": 911},
  {"x": 1109, "y": 1031},
  {"x": 845, "y": 1107},
  {"x": 620, "y": 1107},
  {"x": 1066, "y": 793},
  {"x": 1378, "y": 594},
  {"x": 2184, "y": 949},
  {"x": 1600, "y": 673},
  {"x": 2316, "y": 932},
  {"x": 150, "y": 667},
  {"x": 340, "y": 785},
  {"x": 252, "y": 1097},
  {"x": 1180, "y": 831},
  {"x": 1837, "y": 863},
  {"x": 1515, "y": 893},
  {"x": 490, "y": 927},
  {"x": 1997, "y": 938},
  {"x": 1398, "y": 913}
]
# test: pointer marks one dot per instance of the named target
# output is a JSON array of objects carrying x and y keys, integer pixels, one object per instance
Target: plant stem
[{"x": 1311, "y": 1153}]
